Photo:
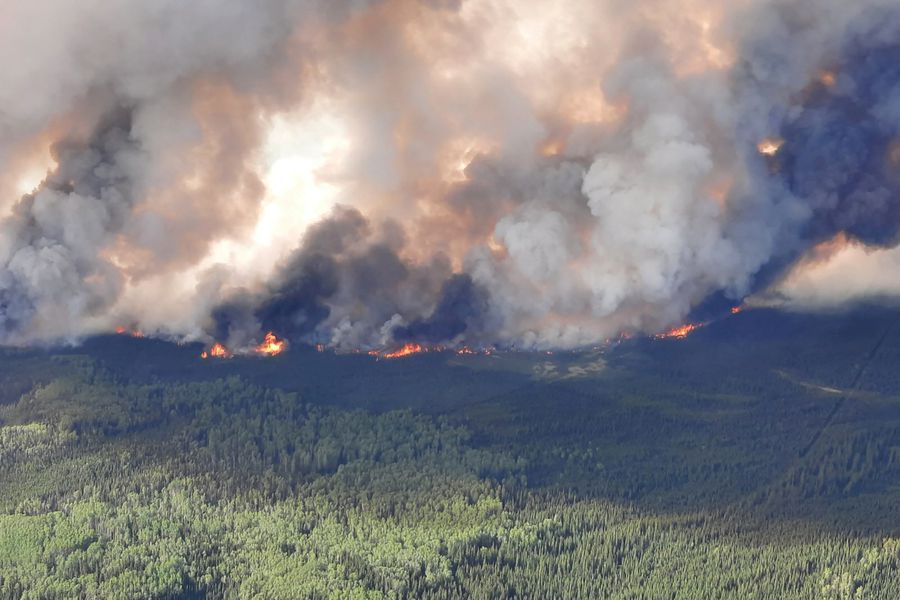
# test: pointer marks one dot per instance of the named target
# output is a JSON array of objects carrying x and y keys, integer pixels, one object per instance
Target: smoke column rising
[{"x": 364, "y": 174}]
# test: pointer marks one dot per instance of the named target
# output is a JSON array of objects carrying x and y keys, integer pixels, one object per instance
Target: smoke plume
[{"x": 476, "y": 172}]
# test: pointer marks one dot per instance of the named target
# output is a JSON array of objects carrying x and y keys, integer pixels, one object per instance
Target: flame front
[
  {"x": 680, "y": 333},
  {"x": 405, "y": 350},
  {"x": 271, "y": 346},
  {"x": 217, "y": 351},
  {"x": 132, "y": 332}
]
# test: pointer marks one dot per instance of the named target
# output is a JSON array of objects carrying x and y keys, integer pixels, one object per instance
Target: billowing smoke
[
  {"x": 53, "y": 267},
  {"x": 366, "y": 174},
  {"x": 346, "y": 286}
]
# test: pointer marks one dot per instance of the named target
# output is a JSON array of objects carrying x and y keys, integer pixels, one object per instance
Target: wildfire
[
  {"x": 406, "y": 350},
  {"x": 828, "y": 78},
  {"x": 680, "y": 333},
  {"x": 132, "y": 332},
  {"x": 552, "y": 148},
  {"x": 271, "y": 346},
  {"x": 769, "y": 146},
  {"x": 217, "y": 351},
  {"x": 737, "y": 309},
  {"x": 414, "y": 348}
]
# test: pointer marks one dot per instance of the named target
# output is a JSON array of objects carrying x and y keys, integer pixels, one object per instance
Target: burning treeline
[
  {"x": 399, "y": 174},
  {"x": 271, "y": 345}
]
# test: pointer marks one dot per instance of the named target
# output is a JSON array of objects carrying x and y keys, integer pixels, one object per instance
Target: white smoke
[{"x": 583, "y": 168}]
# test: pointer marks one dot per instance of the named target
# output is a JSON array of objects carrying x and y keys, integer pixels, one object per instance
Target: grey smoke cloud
[
  {"x": 197, "y": 79},
  {"x": 51, "y": 267},
  {"x": 595, "y": 174},
  {"x": 347, "y": 287}
]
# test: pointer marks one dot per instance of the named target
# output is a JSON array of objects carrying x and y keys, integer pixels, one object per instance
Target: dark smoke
[
  {"x": 837, "y": 151},
  {"x": 51, "y": 267},
  {"x": 838, "y": 169},
  {"x": 348, "y": 276},
  {"x": 462, "y": 307},
  {"x": 294, "y": 304},
  {"x": 603, "y": 175}
]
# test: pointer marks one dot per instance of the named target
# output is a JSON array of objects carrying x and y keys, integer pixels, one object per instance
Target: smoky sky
[
  {"x": 473, "y": 172},
  {"x": 840, "y": 150},
  {"x": 53, "y": 240}
]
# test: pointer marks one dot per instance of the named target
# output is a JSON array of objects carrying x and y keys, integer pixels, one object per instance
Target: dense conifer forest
[{"x": 759, "y": 458}]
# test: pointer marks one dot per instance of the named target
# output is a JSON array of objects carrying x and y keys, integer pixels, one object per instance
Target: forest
[{"x": 758, "y": 458}]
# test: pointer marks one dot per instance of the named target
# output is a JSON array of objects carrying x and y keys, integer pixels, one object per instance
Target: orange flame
[
  {"x": 406, "y": 350},
  {"x": 132, "y": 332},
  {"x": 737, "y": 309},
  {"x": 680, "y": 333},
  {"x": 271, "y": 346},
  {"x": 217, "y": 351},
  {"x": 552, "y": 147},
  {"x": 770, "y": 146}
]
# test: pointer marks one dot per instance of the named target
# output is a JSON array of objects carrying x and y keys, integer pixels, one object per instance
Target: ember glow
[
  {"x": 467, "y": 351},
  {"x": 769, "y": 146},
  {"x": 271, "y": 346},
  {"x": 136, "y": 333},
  {"x": 828, "y": 78}
]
